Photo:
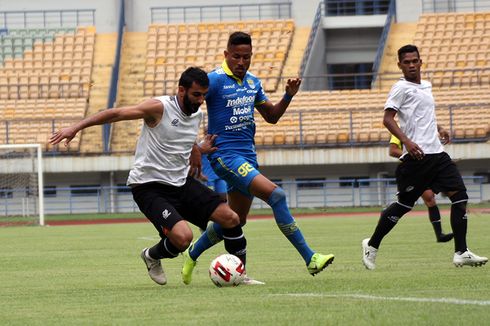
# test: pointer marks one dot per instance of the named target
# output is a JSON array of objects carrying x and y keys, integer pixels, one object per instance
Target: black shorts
[
  {"x": 166, "y": 205},
  {"x": 435, "y": 171}
]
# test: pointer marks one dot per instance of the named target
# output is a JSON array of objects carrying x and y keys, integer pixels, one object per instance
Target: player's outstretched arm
[
  {"x": 150, "y": 110},
  {"x": 273, "y": 112}
]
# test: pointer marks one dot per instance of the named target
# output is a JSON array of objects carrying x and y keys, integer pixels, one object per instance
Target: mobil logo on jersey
[{"x": 242, "y": 111}]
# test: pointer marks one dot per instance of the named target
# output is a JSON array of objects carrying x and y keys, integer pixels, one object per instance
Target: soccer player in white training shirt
[
  {"x": 424, "y": 165},
  {"x": 160, "y": 180}
]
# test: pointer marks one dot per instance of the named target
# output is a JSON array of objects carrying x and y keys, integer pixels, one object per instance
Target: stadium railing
[
  {"x": 382, "y": 191},
  {"x": 357, "y": 7},
  {"x": 349, "y": 192},
  {"x": 186, "y": 14},
  {"x": 455, "y": 6},
  {"x": 47, "y": 18},
  {"x": 343, "y": 124}
]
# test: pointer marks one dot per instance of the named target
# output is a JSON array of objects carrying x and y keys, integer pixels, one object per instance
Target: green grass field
[{"x": 93, "y": 275}]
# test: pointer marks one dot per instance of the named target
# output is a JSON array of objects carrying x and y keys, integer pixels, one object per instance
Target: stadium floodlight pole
[{"x": 40, "y": 181}]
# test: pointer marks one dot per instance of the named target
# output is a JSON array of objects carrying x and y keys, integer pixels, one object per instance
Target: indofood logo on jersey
[{"x": 240, "y": 101}]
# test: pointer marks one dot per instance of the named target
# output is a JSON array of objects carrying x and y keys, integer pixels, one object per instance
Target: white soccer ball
[{"x": 227, "y": 270}]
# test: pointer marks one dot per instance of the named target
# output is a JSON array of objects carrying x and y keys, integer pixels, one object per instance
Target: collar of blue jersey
[{"x": 228, "y": 71}]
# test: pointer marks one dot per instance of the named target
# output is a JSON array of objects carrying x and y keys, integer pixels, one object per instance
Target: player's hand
[
  {"x": 414, "y": 150},
  {"x": 292, "y": 86},
  {"x": 195, "y": 162},
  {"x": 444, "y": 136},
  {"x": 206, "y": 146},
  {"x": 66, "y": 133}
]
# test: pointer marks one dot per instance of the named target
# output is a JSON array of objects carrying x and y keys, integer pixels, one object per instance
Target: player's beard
[{"x": 189, "y": 106}]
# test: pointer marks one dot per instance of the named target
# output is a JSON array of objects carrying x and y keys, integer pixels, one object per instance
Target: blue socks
[
  {"x": 208, "y": 238},
  {"x": 286, "y": 223}
]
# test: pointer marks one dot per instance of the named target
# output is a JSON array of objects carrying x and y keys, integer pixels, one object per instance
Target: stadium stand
[
  {"x": 172, "y": 47},
  {"x": 44, "y": 81},
  {"x": 455, "y": 41},
  {"x": 357, "y": 115},
  {"x": 125, "y": 133},
  {"x": 455, "y": 50},
  {"x": 352, "y": 116},
  {"x": 57, "y": 63},
  {"x": 38, "y": 89}
]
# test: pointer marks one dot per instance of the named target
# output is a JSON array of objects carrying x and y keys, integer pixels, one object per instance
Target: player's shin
[
  {"x": 459, "y": 221},
  {"x": 208, "y": 238},
  {"x": 235, "y": 242},
  {"x": 163, "y": 249},
  {"x": 435, "y": 219},
  {"x": 387, "y": 221},
  {"x": 286, "y": 223}
]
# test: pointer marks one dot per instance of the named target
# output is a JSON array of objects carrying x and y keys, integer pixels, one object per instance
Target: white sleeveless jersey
[
  {"x": 162, "y": 153},
  {"x": 416, "y": 114}
]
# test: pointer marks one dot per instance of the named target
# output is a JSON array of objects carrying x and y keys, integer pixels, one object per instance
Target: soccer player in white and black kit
[
  {"x": 160, "y": 179},
  {"x": 424, "y": 165}
]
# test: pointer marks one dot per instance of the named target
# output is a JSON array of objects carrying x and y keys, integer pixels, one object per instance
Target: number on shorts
[{"x": 244, "y": 169}]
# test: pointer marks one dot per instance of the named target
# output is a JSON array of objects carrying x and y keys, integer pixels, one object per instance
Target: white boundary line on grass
[
  {"x": 373, "y": 297},
  {"x": 149, "y": 238}
]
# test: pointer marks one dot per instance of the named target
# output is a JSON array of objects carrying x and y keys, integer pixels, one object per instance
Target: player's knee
[
  {"x": 429, "y": 199},
  {"x": 459, "y": 197},
  {"x": 276, "y": 196},
  {"x": 430, "y": 202},
  {"x": 459, "y": 201},
  {"x": 182, "y": 239},
  {"x": 407, "y": 200},
  {"x": 226, "y": 217}
]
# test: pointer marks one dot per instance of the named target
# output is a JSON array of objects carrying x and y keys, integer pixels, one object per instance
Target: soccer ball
[{"x": 226, "y": 270}]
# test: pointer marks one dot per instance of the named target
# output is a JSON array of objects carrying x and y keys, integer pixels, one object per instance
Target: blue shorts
[
  {"x": 237, "y": 171},
  {"x": 218, "y": 185}
]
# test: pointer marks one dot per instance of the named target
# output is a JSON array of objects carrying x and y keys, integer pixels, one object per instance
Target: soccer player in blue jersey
[{"x": 233, "y": 94}]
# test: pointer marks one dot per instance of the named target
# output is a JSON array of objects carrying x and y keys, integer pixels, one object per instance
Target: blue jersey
[
  {"x": 230, "y": 105},
  {"x": 206, "y": 168}
]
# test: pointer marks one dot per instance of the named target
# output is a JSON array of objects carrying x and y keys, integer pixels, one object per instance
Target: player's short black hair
[
  {"x": 409, "y": 48},
  {"x": 194, "y": 74},
  {"x": 239, "y": 38}
]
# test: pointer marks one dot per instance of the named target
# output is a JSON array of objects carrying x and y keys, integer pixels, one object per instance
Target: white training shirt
[
  {"x": 416, "y": 114},
  {"x": 162, "y": 153}
]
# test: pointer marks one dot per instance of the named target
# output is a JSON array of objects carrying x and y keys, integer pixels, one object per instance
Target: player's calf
[{"x": 459, "y": 220}]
